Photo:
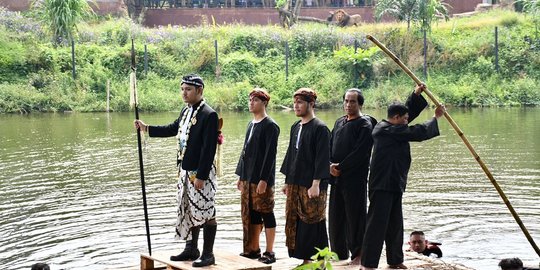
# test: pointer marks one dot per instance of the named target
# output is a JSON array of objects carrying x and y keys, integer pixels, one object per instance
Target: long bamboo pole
[
  {"x": 139, "y": 146},
  {"x": 462, "y": 136}
]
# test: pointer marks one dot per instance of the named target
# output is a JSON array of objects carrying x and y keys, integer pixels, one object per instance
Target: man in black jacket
[
  {"x": 306, "y": 172},
  {"x": 196, "y": 131},
  {"x": 350, "y": 152},
  {"x": 390, "y": 163},
  {"x": 256, "y": 170}
]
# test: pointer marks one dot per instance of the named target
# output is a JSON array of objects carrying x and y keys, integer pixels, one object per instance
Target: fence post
[
  {"x": 73, "y": 59},
  {"x": 217, "y": 62},
  {"x": 496, "y": 48},
  {"x": 286, "y": 60},
  {"x": 145, "y": 60},
  {"x": 425, "y": 55},
  {"x": 108, "y": 93},
  {"x": 355, "y": 67}
]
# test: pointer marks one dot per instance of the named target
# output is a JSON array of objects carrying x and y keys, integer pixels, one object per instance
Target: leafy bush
[
  {"x": 239, "y": 66},
  {"x": 359, "y": 63},
  {"x": 320, "y": 41},
  {"x": 36, "y": 76},
  {"x": 256, "y": 43}
]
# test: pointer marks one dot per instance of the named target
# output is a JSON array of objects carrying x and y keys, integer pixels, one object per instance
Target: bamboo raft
[{"x": 230, "y": 261}]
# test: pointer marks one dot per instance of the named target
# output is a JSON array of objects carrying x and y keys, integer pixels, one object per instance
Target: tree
[
  {"x": 401, "y": 10},
  {"x": 421, "y": 12},
  {"x": 288, "y": 17},
  {"x": 429, "y": 10},
  {"x": 62, "y": 16},
  {"x": 531, "y": 7}
]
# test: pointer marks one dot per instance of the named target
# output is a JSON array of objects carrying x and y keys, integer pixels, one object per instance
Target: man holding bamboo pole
[
  {"x": 390, "y": 163},
  {"x": 196, "y": 131}
]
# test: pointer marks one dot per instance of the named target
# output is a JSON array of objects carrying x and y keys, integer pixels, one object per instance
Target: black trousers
[
  {"x": 309, "y": 237},
  {"x": 347, "y": 217},
  {"x": 384, "y": 225}
]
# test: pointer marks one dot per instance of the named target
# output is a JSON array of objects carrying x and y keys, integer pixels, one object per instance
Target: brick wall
[
  {"x": 461, "y": 6},
  {"x": 188, "y": 17},
  {"x": 103, "y": 6}
]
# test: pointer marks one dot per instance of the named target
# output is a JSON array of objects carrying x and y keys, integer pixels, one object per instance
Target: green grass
[{"x": 36, "y": 76}]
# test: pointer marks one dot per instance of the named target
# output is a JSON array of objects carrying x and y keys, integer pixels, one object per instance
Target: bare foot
[
  {"x": 355, "y": 261},
  {"x": 398, "y": 266},
  {"x": 366, "y": 268}
]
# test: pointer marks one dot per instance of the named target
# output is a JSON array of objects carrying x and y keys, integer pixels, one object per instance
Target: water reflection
[{"x": 70, "y": 188}]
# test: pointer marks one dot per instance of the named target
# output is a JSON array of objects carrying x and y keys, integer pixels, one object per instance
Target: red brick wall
[
  {"x": 187, "y": 17},
  {"x": 103, "y": 6},
  {"x": 154, "y": 17},
  {"x": 460, "y": 6},
  {"x": 15, "y": 5}
]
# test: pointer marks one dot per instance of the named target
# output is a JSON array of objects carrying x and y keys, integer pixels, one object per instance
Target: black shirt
[
  {"x": 202, "y": 142},
  {"x": 432, "y": 249},
  {"x": 351, "y": 144},
  {"x": 258, "y": 158},
  {"x": 391, "y": 158},
  {"x": 310, "y": 160}
]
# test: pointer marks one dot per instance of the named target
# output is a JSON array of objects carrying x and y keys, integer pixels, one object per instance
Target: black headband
[{"x": 193, "y": 80}]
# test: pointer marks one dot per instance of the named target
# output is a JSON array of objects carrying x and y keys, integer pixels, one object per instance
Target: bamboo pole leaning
[{"x": 464, "y": 139}]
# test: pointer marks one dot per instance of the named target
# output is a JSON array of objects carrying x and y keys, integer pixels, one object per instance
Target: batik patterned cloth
[
  {"x": 299, "y": 205},
  {"x": 251, "y": 200},
  {"x": 195, "y": 207}
]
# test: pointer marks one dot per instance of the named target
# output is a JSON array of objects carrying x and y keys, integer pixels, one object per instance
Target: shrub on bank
[{"x": 36, "y": 76}]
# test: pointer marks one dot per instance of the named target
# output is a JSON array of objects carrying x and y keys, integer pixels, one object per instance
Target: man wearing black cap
[
  {"x": 196, "y": 131},
  {"x": 306, "y": 173}
]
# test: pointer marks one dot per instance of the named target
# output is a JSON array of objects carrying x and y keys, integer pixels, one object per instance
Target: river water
[{"x": 70, "y": 191}]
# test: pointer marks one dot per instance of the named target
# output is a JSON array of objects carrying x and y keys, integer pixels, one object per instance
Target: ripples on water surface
[{"x": 70, "y": 188}]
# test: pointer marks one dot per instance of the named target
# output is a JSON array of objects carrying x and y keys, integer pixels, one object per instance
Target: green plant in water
[
  {"x": 62, "y": 16},
  {"x": 321, "y": 260}
]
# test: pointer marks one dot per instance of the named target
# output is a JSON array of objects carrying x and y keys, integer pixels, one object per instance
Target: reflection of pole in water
[
  {"x": 108, "y": 116},
  {"x": 108, "y": 94}
]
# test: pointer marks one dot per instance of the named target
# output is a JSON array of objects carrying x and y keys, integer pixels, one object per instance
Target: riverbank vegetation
[{"x": 36, "y": 75}]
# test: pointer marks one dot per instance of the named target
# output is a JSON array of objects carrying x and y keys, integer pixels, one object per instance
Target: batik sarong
[
  {"x": 300, "y": 206},
  {"x": 251, "y": 200},
  {"x": 195, "y": 207}
]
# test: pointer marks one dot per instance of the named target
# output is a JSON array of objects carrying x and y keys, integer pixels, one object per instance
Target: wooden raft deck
[
  {"x": 230, "y": 261},
  {"x": 224, "y": 260},
  {"x": 412, "y": 261}
]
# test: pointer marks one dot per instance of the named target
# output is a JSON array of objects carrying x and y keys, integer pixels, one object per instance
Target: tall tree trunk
[
  {"x": 296, "y": 11},
  {"x": 134, "y": 8}
]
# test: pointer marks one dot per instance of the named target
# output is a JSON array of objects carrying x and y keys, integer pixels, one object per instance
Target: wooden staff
[
  {"x": 133, "y": 102},
  {"x": 462, "y": 136}
]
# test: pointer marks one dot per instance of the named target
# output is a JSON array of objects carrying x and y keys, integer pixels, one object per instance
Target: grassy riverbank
[{"x": 36, "y": 76}]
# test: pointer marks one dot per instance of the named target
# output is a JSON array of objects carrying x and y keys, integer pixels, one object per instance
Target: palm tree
[
  {"x": 420, "y": 11},
  {"x": 402, "y": 10},
  {"x": 62, "y": 16},
  {"x": 532, "y": 7},
  {"x": 429, "y": 10}
]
